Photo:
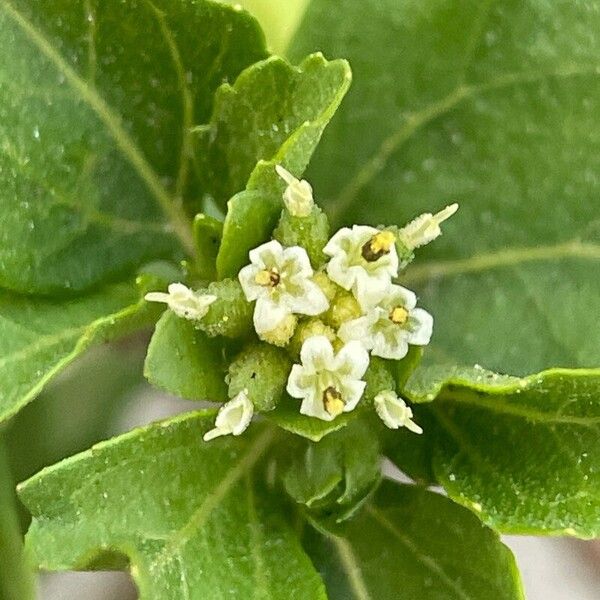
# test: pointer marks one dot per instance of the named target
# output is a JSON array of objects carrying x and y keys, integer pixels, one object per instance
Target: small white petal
[
  {"x": 358, "y": 329},
  {"x": 421, "y": 327},
  {"x": 425, "y": 228},
  {"x": 396, "y": 350},
  {"x": 298, "y": 197},
  {"x": 268, "y": 314},
  {"x": 328, "y": 384},
  {"x": 394, "y": 412},
  {"x": 183, "y": 301},
  {"x": 279, "y": 280},
  {"x": 233, "y": 417},
  {"x": 401, "y": 296}
]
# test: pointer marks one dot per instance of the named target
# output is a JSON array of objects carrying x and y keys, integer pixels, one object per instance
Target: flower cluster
[{"x": 331, "y": 303}]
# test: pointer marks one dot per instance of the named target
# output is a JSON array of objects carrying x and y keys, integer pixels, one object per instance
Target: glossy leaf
[
  {"x": 412, "y": 543},
  {"x": 275, "y": 114},
  {"x": 40, "y": 337},
  {"x": 492, "y": 105},
  {"x": 185, "y": 361},
  {"x": 16, "y": 579},
  {"x": 161, "y": 496},
  {"x": 523, "y": 455},
  {"x": 97, "y": 102}
]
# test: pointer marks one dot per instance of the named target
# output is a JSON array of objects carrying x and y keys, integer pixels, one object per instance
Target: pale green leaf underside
[
  {"x": 523, "y": 454},
  {"x": 40, "y": 337},
  {"x": 163, "y": 497},
  {"x": 411, "y": 543},
  {"x": 492, "y": 105},
  {"x": 97, "y": 102}
]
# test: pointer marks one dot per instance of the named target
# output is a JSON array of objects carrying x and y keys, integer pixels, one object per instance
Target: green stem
[{"x": 16, "y": 579}]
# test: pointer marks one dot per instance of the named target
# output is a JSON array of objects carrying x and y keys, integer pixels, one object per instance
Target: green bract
[{"x": 152, "y": 151}]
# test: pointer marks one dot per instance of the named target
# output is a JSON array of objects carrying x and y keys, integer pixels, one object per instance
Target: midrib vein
[
  {"x": 214, "y": 498},
  {"x": 501, "y": 258},
  {"x": 352, "y": 568},
  {"x": 427, "y": 561},
  {"x": 419, "y": 119},
  {"x": 112, "y": 123}
]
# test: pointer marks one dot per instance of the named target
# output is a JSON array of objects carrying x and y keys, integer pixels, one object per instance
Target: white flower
[
  {"x": 388, "y": 328},
  {"x": 363, "y": 259},
  {"x": 233, "y": 417},
  {"x": 425, "y": 228},
  {"x": 183, "y": 301},
  {"x": 394, "y": 412},
  {"x": 280, "y": 281},
  {"x": 298, "y": 196},
  {"x": 328, "y": 383}
]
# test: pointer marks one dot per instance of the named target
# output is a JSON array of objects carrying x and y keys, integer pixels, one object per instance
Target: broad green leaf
[
  {"x": 164, "y": 498},
  {"x": 274, "y": 114},
  {"x": 97, "y": 104},
  {"x": 524, "y": 454},
  {"x": 335, "y": 476},
  {"x": 16, "y": 579},
  {"x": 185, "y": 361},
  {"x": 40, "y": 337},
  {"x": 492, "y": 105},
  {"x": 76, "y": 410},
  {"x": 412, "y": 543}
]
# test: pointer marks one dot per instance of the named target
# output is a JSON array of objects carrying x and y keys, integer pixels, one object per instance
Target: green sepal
[
  {"x": 378, "y": 378},
  {"x": 184, "y": 361},
  {"x": 310, "y": 232},
  {"x": 230, "y": 315},
  {"x": 405, "y": 254},
  {"x": 207, "y": 238},
  {"x": 262, "y": 370}
]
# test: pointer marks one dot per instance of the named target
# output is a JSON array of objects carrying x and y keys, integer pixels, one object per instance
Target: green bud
[
  {"x": 306, "y": 329},
  {"x": 280, "y": 336},
  {"x": 207, "y": 236},
  {"x": 344, "y": 307},
  {"x": 263, "y": 370},
  {"x": 405, "y": 254},
  {"x": 311, "y": 233},
  {"x": 378, "y": 378},
  {"x": 230, "y": 315},
  {"x": 327, "y": 286}
]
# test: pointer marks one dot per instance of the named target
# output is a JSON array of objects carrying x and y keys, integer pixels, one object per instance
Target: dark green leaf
[
  {"x": 16, "y": 580},
  {"x": 333, "y": 477},
  {"x": 493, "y": 105},
  {"x": 411, "y": 543},
  {"x": 275, "y": 114},
  {"x": 185, "y": 361},
  {"x": 163, "y": 497},
  {"x": 97, "y": 103},
  {"x": 524, "y": 454},
  {"x": 39, "y": 337}
]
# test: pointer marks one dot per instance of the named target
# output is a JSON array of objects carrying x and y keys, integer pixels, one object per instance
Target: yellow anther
[
  {"x": 267, "y": 278},
  {"x": 379, "y": 245},
  {"x": 399, "y": 315},
  {"x": 332, "y": 401}
]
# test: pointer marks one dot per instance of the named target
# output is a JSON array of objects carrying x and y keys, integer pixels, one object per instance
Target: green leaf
[
  {"x": 412, "y": 543},
  {"x": 185, "y": 361},
  {"x": 523, "y": 455},
  {"x": 287, "y": 416},
  {"x": 40, "y": 337},
  {"x": 162, "y": 497},
  {"x": 78, "y": 409},
  {"x": 98, "y": 101},
  {"x": 335, "y": 476},
  {"x": 492, "y": 105},
  {"x": 16, "y": 579},
  {"x": 273, "y": 114}
]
